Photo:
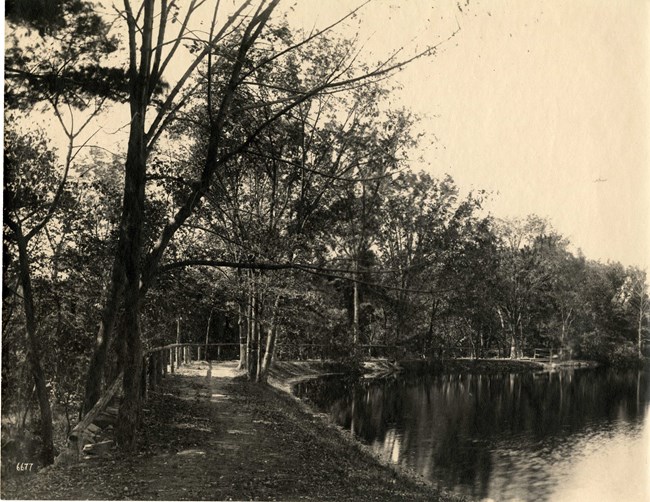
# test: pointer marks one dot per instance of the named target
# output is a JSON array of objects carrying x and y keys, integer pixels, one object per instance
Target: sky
[{"x": 543, "y": 103}]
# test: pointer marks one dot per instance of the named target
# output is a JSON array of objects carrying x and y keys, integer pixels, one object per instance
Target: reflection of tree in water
[{"x": 450, "y": 427}]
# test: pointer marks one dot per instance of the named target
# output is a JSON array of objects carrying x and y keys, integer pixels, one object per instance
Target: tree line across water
[{"x": 263, "y": 195}]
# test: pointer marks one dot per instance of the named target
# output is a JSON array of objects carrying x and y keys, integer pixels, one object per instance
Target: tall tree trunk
[
  {"x": 120, "y": 351},
  {"x": 242, "y": 325},
  {"x": 514, "y": 345},
  {"x": 133, "y": 210},
  {"x": 258, "y": 344},
  {"x": 472, "y": 341},
  {"x": 177, "y": 349},
  {"x": 252, "y": 333},
  {"x": 34, "y": 354},
  {"x": 270, "y": 343},
  {"x": 505, "y": 327},
  {"x": 640, "y": 327},
  {"x": 129, "y": 412},
  {"x": 258, "y": 337},
  {"x": 355, "y": 305},
  {"x": 249, "y": 331},
  {"x": 207, "y": 334}
]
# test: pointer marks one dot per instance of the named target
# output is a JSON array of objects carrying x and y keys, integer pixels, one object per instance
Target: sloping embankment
[{"x": 285, "y": 374}]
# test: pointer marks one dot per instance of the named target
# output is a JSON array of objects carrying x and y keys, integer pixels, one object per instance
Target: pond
[{"x": 562, "y": 436}]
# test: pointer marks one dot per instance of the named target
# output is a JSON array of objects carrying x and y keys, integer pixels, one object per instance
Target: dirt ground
[{"x": 208, "y": 435}]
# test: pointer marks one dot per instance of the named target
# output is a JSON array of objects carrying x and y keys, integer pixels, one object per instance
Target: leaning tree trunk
[
  {"x": 104, "y": 337},
  {"x": 34, "y": 354}
]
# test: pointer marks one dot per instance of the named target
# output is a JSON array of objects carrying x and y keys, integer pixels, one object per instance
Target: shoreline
[
  {"x": 318, "y": 369},
  {"x": 285, "y": 374}
]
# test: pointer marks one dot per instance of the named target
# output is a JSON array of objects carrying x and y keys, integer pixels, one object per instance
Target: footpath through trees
[{"x": 208, "y": 435}]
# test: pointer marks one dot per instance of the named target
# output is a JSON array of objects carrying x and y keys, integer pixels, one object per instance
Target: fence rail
[
  {"x": 156, "y": 364},
  {"x": 159, "y": 361}
]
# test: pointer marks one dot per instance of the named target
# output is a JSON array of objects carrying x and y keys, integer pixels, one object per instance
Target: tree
[
  {"x": 425, "y": 231},
  {"x": 29, "y": 173},
  {"x": 523, "y": 274},
  {"x": 565, "y": 296},
  {"x": 633, "y": 295}
]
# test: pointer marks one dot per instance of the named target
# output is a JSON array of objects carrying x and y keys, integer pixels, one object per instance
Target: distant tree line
[{"x": 265, "y": 197}]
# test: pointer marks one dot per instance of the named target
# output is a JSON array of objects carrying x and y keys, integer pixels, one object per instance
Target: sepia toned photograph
[{"x": 335, "y": 250}]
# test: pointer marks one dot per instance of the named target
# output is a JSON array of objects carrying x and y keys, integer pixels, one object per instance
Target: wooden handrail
[
  {"x": 77, "y": 432},
  {"x": 190, "y": 344},
  {"x": 159, "y": 367}
]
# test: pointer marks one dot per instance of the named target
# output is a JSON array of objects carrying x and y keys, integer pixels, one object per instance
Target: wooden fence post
[
  {"x": 171, "y": 360},
  {"x": 164, "y": 362}
]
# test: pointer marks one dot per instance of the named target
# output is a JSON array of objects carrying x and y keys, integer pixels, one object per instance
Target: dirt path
[{"x": 209, "y": 436}]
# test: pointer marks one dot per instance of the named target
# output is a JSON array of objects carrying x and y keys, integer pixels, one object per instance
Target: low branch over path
[{"x": 209, "y": 436}]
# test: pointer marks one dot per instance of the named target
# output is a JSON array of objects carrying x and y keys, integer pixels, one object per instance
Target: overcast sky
[{"x": 544, "y": 102}]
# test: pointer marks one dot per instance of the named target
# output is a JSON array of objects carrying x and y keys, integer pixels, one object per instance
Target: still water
[{"x": 559, "y": 436}]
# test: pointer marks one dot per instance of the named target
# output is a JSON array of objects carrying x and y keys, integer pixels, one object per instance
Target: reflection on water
[{"x": 574, "y": 435}]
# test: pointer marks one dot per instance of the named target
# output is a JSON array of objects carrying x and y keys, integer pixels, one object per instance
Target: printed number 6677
[{"x": 22, "y": 466}]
